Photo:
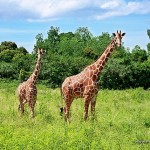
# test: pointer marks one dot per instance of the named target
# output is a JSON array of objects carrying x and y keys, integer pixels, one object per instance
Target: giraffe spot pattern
[
  {"x": 85, "y": 84},
  {"x": 27, "y": 91}
]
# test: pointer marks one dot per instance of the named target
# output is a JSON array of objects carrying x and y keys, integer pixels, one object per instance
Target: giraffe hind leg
[
  {"x": 31, "y": 106},
  {"x": 21, "y": 105},
  {"x": 86, "y": 107},
  {"x": 67, "y": 109}
]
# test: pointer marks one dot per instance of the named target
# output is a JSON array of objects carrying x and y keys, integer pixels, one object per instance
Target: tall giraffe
[
  {"x": 27, "y": 91},
  {"x": 84, "y": 85}
]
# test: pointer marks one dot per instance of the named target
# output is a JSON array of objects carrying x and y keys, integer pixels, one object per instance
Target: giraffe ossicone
[
  {"x": 27, "y": 91},
  {"x": 84, "y": 85}
]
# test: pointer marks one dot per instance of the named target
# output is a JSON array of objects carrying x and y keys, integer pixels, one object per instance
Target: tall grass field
[{"x": 122, "y": 121}]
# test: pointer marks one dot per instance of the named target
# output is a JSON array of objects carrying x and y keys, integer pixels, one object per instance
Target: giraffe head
[
  {"x": 118, "y": 37},
  {"x": 40, "y": 52}
]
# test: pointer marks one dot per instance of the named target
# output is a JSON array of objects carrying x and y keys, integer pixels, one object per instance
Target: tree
[
  {"x": 8, "y": 45},
  {"x": 22, "y": 61},
  {"x": 83, "y": 34},
  {"x": 70, "y": 47},
  {"x": 66, "y": 36},
  {"x": 90, "y": 53},
  {"x": 7, "y": 55},
  {"x": 53, "y": 38},
  {"x": 148, "y": 49},
  {"x": 22, "y": 50},
  {"x": 148, "y": 45},
  {"x": 102, "y": 42},
  {"x": 138, "y": 54}
]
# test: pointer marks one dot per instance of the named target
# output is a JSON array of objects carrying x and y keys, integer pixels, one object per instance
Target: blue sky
[{"x": 22, "y": 20}]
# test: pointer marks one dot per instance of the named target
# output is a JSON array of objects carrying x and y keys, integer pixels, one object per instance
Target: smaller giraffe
[
  {"x": 84, "y": 84},
  {"x": 27, "y": 91}
]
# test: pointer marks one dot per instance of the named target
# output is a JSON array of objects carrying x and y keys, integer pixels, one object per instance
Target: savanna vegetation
[
  {"x": 122, "y": 114},
  {"x": 122, "y": 121},
  {"x": 68, "y": 53}
]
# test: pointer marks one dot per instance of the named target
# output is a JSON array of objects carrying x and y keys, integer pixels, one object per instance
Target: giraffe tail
[{"x": 61, "y": 107}]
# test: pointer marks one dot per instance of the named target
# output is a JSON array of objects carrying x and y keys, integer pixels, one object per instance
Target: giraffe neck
[
  {"x": 36, "y": 71},
  {"x": 100, "y": 63}
]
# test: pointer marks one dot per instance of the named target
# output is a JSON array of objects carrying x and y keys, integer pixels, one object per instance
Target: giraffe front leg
[
  {"x": 93, "y": 103},
  {"x": 86, "y": 107},
  {"x": 32, "y": 105}
]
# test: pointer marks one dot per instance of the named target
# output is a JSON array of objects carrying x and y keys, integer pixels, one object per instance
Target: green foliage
[
  {"x": 90, "y": 53},
  {"x": 148, "y": 49},
  {"x": 53, "y": 37},
  {"x": 126, "y": 72},
  {"x": 22, "y": 61},
  {"x": 22, "y": 50},
  {"x": 103, "y": 41},
  {"x": 141, "y": 74},
  {"x": 56, "y": 68},
  {"x": 7, "y": 70},
  {"x": 66, "y": 36},
  {"x": 7, "y": 55},
  {"x": 83, "y": 34},
  {"x": 138, "y": 54},
  {"x": 70, "y": 47},
  {"x": 39, "y": 42},
  {"x": 23, "y": 75},
  {"x": 8, "y": 45},
  {"x": 116, "y": 75},
  {"x": 69, "y": 53},
  {"x": 12, "y": 60}
]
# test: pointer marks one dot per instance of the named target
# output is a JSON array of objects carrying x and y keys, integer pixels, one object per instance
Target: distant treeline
[{"x": 68, "y": 53}]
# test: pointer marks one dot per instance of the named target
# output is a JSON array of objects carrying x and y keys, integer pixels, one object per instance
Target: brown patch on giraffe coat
[
  {"x": 94, "y": 77},
  {"x": 106, "y": 59},
  {"x": 96, "y": 71},
  {"x": 93, "y": 67},
  {"x": 81, "y": 85},
  {"x": 76, "y": 89},
  {"x": 101, "y": 67},
  {"x": 98, "y": 66},
  {"x": 100, "y": 62},
  {"x": 103, "y": 63},
  {"x": 36, "y": 72},
  {"x": 108, "y": 54}
]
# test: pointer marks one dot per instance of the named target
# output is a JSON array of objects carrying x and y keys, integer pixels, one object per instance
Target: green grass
[{"x": 122, "y": 122}]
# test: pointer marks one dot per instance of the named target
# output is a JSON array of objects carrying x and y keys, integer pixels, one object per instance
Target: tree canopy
[{"x": 68, "y": 53}]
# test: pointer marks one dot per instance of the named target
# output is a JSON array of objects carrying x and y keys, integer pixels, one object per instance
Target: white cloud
[
  {"x": 43, "y": 10},
  {"x": 111, "y": 4},
  {"x": 136, "y": 7}
]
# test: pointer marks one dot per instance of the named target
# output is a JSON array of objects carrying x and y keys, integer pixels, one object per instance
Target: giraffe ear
[
  {"x": 114, "y": 34},
  {"x": 43, "y": 51},
  {"x": 123, "y": 34}
]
